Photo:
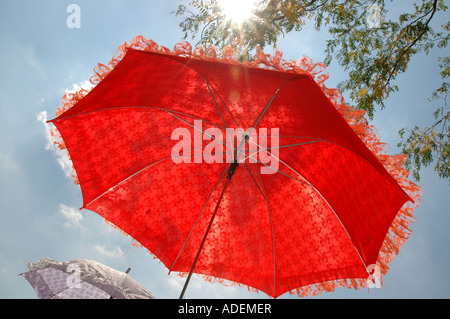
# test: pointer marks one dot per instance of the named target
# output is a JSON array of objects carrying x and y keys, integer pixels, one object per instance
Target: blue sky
[{"x": 41, "y": 58}]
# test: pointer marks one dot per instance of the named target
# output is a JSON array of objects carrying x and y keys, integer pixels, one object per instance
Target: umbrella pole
[{"x": 206, "y": 234}]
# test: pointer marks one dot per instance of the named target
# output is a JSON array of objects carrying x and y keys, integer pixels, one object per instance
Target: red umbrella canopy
[{"x": 255, "y": 168}]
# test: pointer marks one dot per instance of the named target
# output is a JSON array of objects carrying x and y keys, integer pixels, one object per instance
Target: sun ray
[{"x": 237, "y": 10}]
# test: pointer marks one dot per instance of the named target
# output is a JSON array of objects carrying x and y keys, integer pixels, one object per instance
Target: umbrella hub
[
  {"x": 232, "y": 169},
  {"x": 235, "y": 163}
]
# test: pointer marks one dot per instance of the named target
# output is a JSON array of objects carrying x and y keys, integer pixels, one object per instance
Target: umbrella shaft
[
  {"x": 235, "y": 163},
  {"x": 204, "y": 239}
]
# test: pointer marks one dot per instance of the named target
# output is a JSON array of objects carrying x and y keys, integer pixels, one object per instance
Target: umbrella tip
[{"x": 128, "y": 270}]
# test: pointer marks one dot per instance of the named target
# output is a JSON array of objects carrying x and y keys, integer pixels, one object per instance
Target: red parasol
[{"x": 250, "y": 172}]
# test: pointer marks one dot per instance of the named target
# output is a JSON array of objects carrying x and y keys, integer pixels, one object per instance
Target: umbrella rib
[
  {"x": 215, "y": 102},
  {"x": 226, "y": 107},
  {"x": 135, "y": 106},
  {"x": 209, "y": 86},
  {"x": 196, "y": 128},
  {"x": 345, "y": 148},
  {"x": 224, "y": 104},
  {"x": 140, "y": 171},
  {"x": 221, "y": 100},
  {"x": 343, "y": 226},
  {"x": 217, "y": 106},
  {"x": 198, "y": 218},
  {"x": 125, "y": 179},
  {"x": 326, "y": 201},
  {"x": 260, "y": 116},
  {"x": 254, "y": 180},
  {"x": 283, "y": 146},
  {"x": 66, "y": 289},
  {"x": 263, "y": 112},
  {"x": 284, "y": 174},
  {"x": 277, "y": 158},
  {"x": 273, "y": 234},
  {"x": 196, "y": 117},
  {"x": 290, "y": 145}
]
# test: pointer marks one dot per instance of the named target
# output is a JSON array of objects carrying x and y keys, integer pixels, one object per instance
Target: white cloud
[
  {"x": 62, "y": 157},
  {"x": 42, "y": 117},
  {"x": 116, "y": 252},
  {"x": 87, "y": 85},
  {"x": 73, "y": 217}
]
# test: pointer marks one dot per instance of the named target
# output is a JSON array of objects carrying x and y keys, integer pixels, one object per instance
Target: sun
[{"x": 237, "y": 10}]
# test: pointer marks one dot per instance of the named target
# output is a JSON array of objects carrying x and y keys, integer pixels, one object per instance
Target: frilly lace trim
[
  {"x": 41, "y": 264},
  {"x": 48, "y": 262},
  {"x": 101, "y": 276},
  {"x": 399, "y": 231}
]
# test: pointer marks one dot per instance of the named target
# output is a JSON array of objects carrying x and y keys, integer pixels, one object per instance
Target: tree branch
[{"x": 406, "y": 48}]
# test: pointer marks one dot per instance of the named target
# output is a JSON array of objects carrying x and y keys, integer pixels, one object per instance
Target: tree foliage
[
  {"x": 372, "y": 43},
  {"x": 431, "y": 144}
]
